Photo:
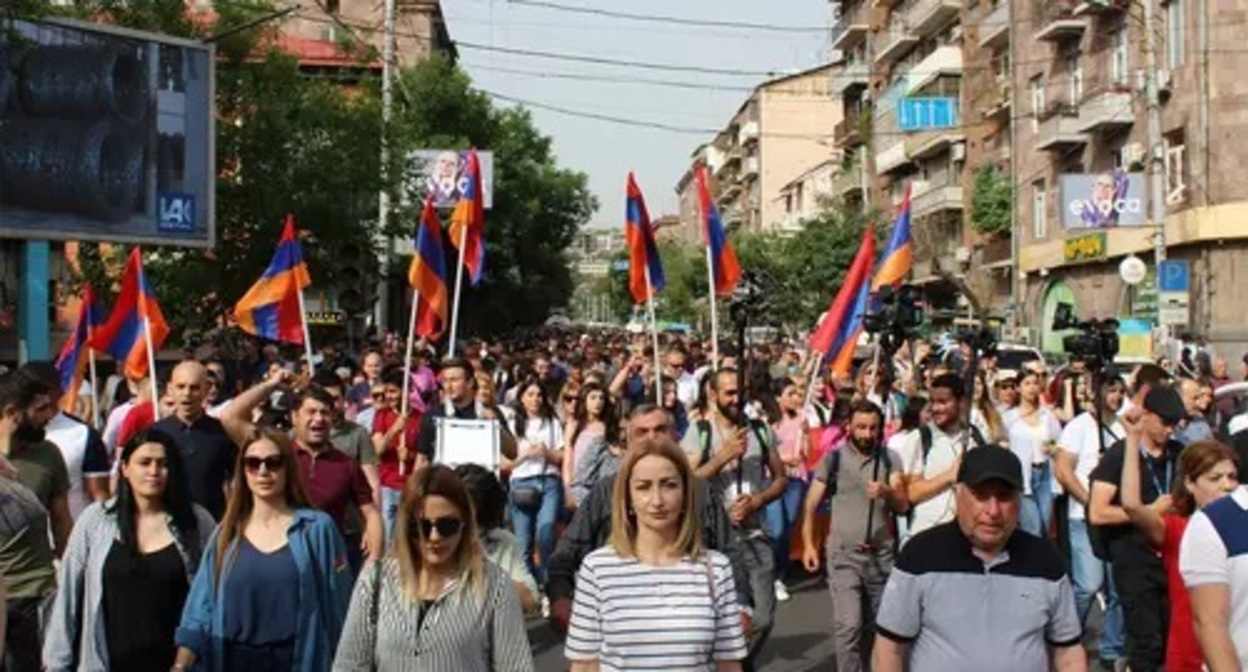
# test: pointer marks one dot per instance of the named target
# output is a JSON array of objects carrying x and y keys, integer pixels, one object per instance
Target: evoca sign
[{"x": 1102, "y": 200}]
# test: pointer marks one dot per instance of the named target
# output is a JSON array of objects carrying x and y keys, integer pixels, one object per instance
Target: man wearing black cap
[
  {"x": 1137, "y": 571},
  {"x": 977, "y": 594}
]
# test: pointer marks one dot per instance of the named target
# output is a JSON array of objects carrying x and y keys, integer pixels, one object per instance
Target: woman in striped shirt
[
  {"x": 653, "y": 599},
  {"x": 435, "y": 604}
]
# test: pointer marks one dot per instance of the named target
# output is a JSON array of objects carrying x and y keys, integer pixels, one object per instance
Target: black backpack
[{"x": 757, "y": 426}]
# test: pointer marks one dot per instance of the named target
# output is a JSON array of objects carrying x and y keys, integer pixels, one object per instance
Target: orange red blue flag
[
  {"x": 467, "y": 228},
  {"x": 724, "y": 266},
  {"x": 72, "y": 361},
  {"x": 271, "y": 308},
  {"x": 122, "y": 335},
  {"x": 427, "y": 274},
  {"x": 643, "y": 251}
]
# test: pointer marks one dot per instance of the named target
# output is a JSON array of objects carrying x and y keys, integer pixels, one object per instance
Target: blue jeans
[
  {"x": 1036, "y": 509},
  {"x": 782, "y": 514},
  {"x": 540, "y": 523},
  {"x": 1090, "y": 574},
  {"x": 389, "y": 510}
]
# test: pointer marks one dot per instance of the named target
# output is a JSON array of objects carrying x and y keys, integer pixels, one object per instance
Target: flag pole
[
  {"x": 810, "y": 384},
  {"x": 710, "y": 282},
  {"x": 406, "y": 402},
  {"x": 151, "y": 366},
  {"x": 654, "y": 334},
  {"x": 459, "y": 284},
  {"x": 95, "y": 395},
  {"x": 307, "y": 334}
]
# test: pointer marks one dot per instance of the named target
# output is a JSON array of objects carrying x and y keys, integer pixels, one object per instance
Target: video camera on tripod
[
  {"x": 1096, "y": 344},
  {"x": 896, "y": 314}
]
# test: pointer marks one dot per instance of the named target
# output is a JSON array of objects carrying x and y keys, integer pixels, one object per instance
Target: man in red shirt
[
  {"x": 397, "y": 455},
  {"x": 332, "y": 478}
]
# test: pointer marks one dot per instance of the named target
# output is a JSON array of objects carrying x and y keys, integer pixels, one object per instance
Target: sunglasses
[
  {"x": 446, "y": 527},
  {"x": 271, "y": 463},
  {"x": 378, "y": 395},
  {"x": 568, "y": 400}
]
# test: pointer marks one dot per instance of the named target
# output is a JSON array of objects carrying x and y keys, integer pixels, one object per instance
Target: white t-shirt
[
  {"x": 1027, "y": 441},
  {"x": 84, "y": 454},
  {"x": 112, "y": 427},
  {"x": 1079, "y": 439},
  {"x": 536, "y": 431},
  {"x": 1214, "y": 551},
  {"x": 945, "y": 451}
]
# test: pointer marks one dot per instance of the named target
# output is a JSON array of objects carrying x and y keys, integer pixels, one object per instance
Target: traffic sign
[
  {"x": 1174, "y": 275},
  {"x": 1173, "y": 308}
]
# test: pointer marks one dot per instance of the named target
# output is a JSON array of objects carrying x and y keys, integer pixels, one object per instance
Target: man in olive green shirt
[{"x": 36, "y": 495}]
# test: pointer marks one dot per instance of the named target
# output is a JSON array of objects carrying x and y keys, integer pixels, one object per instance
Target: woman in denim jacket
[
  {"x": 129, "y": 564},
  {"x": 274, "y": 586}
]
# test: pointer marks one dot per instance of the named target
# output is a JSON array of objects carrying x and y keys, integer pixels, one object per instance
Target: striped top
[
  {"x": 459, "y": 632},
  {"x": 630, "y": 616}
]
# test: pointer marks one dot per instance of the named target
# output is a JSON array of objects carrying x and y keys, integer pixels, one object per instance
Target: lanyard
[{"x": 1152, "y": 473}]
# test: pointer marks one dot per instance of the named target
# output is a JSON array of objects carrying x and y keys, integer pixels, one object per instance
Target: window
[
  {"x": 1074, "y": 70},
  {"x": 1174, "y": 34},
  {"x": 1175, "y": 152},
  {"x": 1039, "y": 207},
  {"x": 1037, "y": 101},
  {"x": 1119, "y": 63}
]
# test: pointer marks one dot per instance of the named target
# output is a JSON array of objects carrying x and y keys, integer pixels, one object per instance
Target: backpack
[
  {"x": 757, "y": 426},
  {"x": 834, "y": 469},
  {"x": 925, "y": 437}
]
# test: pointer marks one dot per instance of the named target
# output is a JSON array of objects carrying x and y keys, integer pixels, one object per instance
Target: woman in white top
[
  {"x": 1034, "y": 431},
  {"x": 652, "y": 597},
  {"x": 536, "y": 486}
]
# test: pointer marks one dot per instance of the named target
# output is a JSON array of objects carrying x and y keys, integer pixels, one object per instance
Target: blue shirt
[{"x": 262, "y": 596}]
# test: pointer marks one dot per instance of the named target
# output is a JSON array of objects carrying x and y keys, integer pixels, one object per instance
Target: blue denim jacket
[{"x": 325, "y": 583}]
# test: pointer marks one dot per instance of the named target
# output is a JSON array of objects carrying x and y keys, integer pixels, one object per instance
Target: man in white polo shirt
[
  {"x": 81, "y": 446},
  {"x": 1213, "y": 560}
]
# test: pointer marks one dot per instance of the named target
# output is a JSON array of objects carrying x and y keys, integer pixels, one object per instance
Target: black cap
[
  {"x": 1166, "y": 404},
  {"x": 991, "y": 463}
]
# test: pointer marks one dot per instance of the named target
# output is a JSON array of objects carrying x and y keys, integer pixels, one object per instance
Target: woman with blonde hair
[
  {"x": 653, "y": 596},
  {"x": 435, "y": 604},
  {"x": 274, "y": 584}
]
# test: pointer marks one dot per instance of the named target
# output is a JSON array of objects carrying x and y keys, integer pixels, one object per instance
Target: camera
[
  {"x": 1096, "y": 344},
  {"x": 747, "y": 303},
  {"x": 895, "y": 314},
  {"x": 983, "y": 341}
]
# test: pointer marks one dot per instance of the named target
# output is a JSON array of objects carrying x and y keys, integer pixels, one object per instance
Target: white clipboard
[{"x": 467, "y": 442}]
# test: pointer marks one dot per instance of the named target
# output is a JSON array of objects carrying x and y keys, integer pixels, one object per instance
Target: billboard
[
  {"x": 106, "y": 134},
  {"x": 441, "y": 172},
  {"x": 1102, "y": 200}
]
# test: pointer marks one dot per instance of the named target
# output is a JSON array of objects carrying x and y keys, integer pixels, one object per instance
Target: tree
[{"x": 991, "y": 201}]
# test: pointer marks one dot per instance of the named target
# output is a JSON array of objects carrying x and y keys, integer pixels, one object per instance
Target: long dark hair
[
  {"x": 545, "y": 410},
  {"x": 176, "y": 499},
  {"x": 609, "y": 418}
]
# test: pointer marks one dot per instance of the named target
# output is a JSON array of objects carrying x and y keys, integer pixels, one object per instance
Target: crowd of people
[{"x": 249, "y": 512}]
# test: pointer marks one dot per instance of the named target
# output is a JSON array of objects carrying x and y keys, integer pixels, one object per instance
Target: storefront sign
[
  {"x": 326, "y": 318},
  {"x": 1088, "y": 247},
  {"x": 1102, "y": 201}
]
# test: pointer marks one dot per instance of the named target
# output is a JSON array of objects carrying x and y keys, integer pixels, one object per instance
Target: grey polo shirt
[
  {"x": 848, "y": 527},
  {"x": 959, "y": 613}
]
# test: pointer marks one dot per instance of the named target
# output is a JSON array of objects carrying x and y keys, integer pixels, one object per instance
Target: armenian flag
[
  {"x": 468, "y": 221},
  {"x": 837, "y": 335},
  {"x": 724, "y": 266},
  {"x": 271, "y": 308},
  {"x": 643, "y": 251},
  {"x": 72, "y": 361},
  {"x": 427, "y": 274},
  {"x": 898, "y": 256},
  {"x": 122, "y": 335}
]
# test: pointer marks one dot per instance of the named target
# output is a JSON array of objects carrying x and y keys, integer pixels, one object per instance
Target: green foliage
[
  {"x": 288, "y": 143},
  {"x": 991, "y": 201}
]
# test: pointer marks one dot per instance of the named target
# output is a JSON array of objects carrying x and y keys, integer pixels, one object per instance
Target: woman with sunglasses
[
  {"x": 536, "y": 479},
  {"x": 653, "y": 597},
  {"x": 128, "y": 567},
  {"x": 274, "y": 585},
  {"x": 589, "y": 430},
  {"x": 434, "y": 604}
]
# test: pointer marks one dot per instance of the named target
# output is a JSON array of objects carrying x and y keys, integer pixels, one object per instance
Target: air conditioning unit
[
  {"x": 962, "y": 255},
  {"x": 958, "y": 151},
  {"x": 1132, "y": 153}
]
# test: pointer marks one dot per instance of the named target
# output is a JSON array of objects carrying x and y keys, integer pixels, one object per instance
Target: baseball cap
[
  {"x": 991, "y": 463},
  {"x": 1166, "y": 404}
]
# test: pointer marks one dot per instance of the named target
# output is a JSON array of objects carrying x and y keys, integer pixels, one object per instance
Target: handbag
[{"x": 529, "y": 498}]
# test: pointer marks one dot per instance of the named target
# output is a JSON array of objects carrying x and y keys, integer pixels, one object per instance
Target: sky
[{"x": 606, "y": 151}]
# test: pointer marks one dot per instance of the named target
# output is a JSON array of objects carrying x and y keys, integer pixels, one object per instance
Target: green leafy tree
[{"x": 991, "y": 201}]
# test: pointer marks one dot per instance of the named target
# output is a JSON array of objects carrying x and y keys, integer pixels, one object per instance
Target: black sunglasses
[
  {"x": 272, "y": 463},
  {"x": 446, "y": 527}
]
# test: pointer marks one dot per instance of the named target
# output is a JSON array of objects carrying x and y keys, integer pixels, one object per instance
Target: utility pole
[
  {"x": 1156, "y": 151},
  {"x": 382, "y": 310}
]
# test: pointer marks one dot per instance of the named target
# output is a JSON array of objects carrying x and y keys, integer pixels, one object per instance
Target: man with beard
[
  {"x": 858, "y": 478},
  {"x": 740, "y": 461},
  {"x": 334, "y": 481},
  {"x": 33, "y": 489}
]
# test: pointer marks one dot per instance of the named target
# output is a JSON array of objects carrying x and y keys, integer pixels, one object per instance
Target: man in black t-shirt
[
  {"x": 1137, "y": 570},
  {"x": 459, "y": 389}
]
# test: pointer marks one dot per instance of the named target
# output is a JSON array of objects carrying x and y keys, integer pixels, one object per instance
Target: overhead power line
[{"x": 652, "y": 18}]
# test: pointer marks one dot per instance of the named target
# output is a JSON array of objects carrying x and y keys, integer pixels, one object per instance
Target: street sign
[
  {"x": 1173, "y": 308},
  {"x": 1174, "y": 275},
  {"x": 1133, "y": 270}
]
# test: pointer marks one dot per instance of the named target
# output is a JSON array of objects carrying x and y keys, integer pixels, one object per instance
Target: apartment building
[
  {"x": 1080, "y": 126},
  {"x": 316, "y": 33},
  {"x": 780, "y": 132},
  {"x": 802, "y": 197}
]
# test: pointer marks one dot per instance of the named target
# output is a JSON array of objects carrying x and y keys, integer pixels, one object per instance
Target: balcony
[
  {"x": 895, "y": 41},
  {"x": 1058, "y": 22},
  {"x": 994, "y": 31},
  {"x": 944, "y": 61},
  {"x": 749, "y": 168},
  {"x": 847, "y": 183},
  {"x": 927, "y": 144},
  {"x": 1107, "y": 109},
  {"x": 927, "y": 198},
  {"x": 852, "y": 75},
  {"x": 994, "y": 101},
  {"x": 732, "y": 161},
  {"x": 891, "y": 158},
  {"x": 847, "y": 133},
  {"x": 748, "y": 133},
  {"x": 928, "y": 16},
  {"x": 1060, "y": 128},
  {"x": 1094, "y": 7},
  {"x": 994, "y": 253},
  {"x": 852, "y": 28}
]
